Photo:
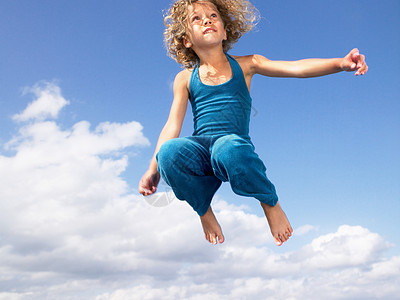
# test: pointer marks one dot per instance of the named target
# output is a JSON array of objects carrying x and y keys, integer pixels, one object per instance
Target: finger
[
  {"x": 364, "y": 70},
  {"x": 141, "y": 189},
  {"x": 354, "y": 54},
  {"x": 355, "y": 57},
  {"x": 142, "y": 186},
  {"x": 147, "y": 192},
  {"x": 360, "y": 61}
]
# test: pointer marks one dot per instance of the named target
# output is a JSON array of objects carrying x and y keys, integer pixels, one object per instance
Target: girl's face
[{"x": 205, "y": 26}]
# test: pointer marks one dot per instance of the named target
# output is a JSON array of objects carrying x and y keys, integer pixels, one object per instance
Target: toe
[
  {"x": 221, "y": 239},
  {"x": 284, "y": 237},
  {"x": 213, "y": 239},
  {"x": 278, "y": 241},
  {"x": 209, "y": 238}
]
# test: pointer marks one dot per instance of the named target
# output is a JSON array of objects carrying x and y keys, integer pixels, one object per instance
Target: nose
[{"x": 207, "y": 21}]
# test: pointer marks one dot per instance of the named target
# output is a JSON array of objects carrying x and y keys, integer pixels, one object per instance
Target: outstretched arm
[
  {"x": 149, "y": 182},
  {"x": 313, "y": 67}
]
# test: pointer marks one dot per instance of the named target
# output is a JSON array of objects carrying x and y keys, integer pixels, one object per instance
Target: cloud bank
[{"x": 71, "y": 228}]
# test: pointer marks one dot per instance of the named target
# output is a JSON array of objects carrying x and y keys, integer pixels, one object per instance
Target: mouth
[{"x": 209, "y": 30}]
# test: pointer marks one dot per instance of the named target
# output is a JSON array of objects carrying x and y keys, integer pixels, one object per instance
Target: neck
[{"x": 212, "y": 57}]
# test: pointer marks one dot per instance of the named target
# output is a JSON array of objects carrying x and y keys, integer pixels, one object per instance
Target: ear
[
  {"x": 187, "y": 43},
  {"x": 225, "y": 35}
]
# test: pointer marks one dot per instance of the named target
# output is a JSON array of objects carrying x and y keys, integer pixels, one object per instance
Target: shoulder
[
  {"x": 182, "y": 79},
  {"x": 250, "y": 63}
]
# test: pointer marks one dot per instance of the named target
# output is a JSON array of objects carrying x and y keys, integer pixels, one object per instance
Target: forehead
[{"x": 200, "y": 6}]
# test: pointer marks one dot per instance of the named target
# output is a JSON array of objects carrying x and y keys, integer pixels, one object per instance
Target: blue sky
[{"x": 330, "y": 144}]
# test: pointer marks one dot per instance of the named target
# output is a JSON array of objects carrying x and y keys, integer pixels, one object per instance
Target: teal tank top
[{"x": 221, "y": 109}]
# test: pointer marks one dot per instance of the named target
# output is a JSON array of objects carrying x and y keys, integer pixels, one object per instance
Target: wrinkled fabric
[
  {"x": 220, "y": 149},
  {"x": 194, "y": 167}
]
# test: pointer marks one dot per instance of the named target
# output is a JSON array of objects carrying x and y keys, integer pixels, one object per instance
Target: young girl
[{"x": 198, "y": 36}]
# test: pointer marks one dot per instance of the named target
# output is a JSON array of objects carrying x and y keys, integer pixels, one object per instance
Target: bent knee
[
  {"x": 178, "y": 153},
  {"x": 233, "y": 148},
  {"x": 169, "y": 150}
]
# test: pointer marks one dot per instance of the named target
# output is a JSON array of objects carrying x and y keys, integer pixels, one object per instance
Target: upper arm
[
  {"x": 258, "y": 64},
  {"x": 180, "y": 102}
]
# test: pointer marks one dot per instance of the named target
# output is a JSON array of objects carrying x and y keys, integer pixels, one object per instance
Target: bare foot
[
  {"x": 278, "y": 223},
  {"x": 211, "y": 228}
]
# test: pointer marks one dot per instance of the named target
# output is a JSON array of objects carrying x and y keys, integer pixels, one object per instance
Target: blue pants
[{"x": 194, "y": 167}]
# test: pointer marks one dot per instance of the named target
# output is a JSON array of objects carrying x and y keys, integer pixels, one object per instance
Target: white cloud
[
  {"x": 71, "y": 229},
  {"x": 48, "y": 103},
  {"x": 350, "y": 245}
]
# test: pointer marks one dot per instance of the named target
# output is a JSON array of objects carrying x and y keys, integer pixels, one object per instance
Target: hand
[
  {"x": 354, "y": 61},
  {"x": 148, "y": 183}
]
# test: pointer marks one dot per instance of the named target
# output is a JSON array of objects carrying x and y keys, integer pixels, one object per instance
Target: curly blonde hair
[{"x": 238, "y": 16}]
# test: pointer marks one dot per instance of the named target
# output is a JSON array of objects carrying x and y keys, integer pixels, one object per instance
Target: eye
[
  {"x": 214, "y": 15},
  {"x": 195, "y": 18}
]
